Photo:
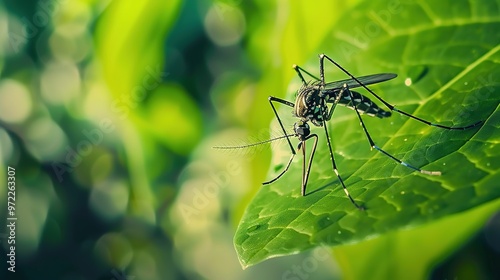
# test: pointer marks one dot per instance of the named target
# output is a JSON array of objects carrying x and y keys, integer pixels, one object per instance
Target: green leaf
[
  {"x": 450, "y": 53},
  {"x": 406, "y": 254}
]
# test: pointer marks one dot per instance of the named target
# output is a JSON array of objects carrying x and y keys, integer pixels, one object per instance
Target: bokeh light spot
[
  {"x": 109, "y": 200},
  {"x": 15, "y": 101},
  {"x": 114, "y": 249},
  {"x": 45, "y": 139},
  {"x": 60, "y": 82},
  {"x": 67, "y": 43},
  {"x": 224, "y": 24},
  {"x": 33, "y": 205},
  {"x": 6, "y": 146},
  {"x": 101, "y": 169}
]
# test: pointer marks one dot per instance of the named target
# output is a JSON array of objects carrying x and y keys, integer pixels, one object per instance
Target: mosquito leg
[
  {"x": 330, "y": 112},
  {"x": 306, "y": 171},
  {"x": 322, "y": 69},
  {"x": 391, "y": 107},
  {"x": 302, "y": 146},
  {"x": 374, "y": 146},
  {"x": 288, "y": 103},
  {"x": 334, "y": 166},
  {"x": 298, "y": 69},
  {"x": 282, "y": 172}
]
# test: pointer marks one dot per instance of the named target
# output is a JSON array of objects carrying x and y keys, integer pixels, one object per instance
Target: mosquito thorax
[
  {"x": 302, "y": 130},
  {"x": 309, "y": 104}
]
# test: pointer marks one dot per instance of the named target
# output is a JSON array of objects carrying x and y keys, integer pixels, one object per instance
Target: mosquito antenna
[{"x": 253, "y": 144}]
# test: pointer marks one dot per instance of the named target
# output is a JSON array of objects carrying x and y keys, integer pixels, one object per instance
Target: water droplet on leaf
[{"x": 408, "y": 82}]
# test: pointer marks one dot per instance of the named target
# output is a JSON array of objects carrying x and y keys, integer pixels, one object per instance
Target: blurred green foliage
[{"x": 109, "y": 110}]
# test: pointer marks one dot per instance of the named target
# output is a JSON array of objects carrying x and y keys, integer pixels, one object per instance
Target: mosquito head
[{"x": 302, "y": 130}]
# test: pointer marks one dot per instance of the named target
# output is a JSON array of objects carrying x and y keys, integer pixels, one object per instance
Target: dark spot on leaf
[
  {"x": 256, "y": 227},
  {"x": 416, "y": 73},
  {"x": 324, "y": 221},
  {"x": 278, "y": 167},
  {"x": 327, "y": 220}
]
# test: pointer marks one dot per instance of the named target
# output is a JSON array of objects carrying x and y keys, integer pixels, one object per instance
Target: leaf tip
[{"x": 243, "y": 263}]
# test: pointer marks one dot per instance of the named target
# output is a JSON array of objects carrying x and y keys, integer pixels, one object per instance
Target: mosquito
[{"x": 315, "y": 103}]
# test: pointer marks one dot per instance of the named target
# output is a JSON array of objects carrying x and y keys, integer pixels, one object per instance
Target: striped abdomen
[{"x": 363, "y": 103}]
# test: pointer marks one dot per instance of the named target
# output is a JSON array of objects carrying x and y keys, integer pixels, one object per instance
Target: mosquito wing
[{"x": 366, "y": 80}]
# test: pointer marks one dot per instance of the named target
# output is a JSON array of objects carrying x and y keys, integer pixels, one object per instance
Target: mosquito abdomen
[{"x": 363, "y": 104}]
